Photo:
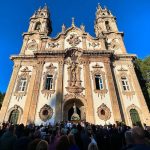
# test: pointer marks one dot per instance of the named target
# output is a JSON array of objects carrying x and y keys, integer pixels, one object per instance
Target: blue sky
[{"x": 132, "y": 18}]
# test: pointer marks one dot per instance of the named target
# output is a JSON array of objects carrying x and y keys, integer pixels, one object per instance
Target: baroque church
[{"x": 74, "y": 76}]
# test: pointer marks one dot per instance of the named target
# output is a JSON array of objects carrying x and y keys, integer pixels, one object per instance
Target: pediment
[{"x": 74, "y": 37}]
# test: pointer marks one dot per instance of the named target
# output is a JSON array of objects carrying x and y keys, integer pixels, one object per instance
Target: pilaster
[
  {"x": 59, "y": 93},
  {"x": 36, "y": 90},
  {"x": 88, "y": 93},
  {"x": 112, "y": 91},
  {"x": 24, "y": 45}
]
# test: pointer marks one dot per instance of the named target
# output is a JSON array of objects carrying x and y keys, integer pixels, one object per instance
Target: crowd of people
[{"x": 74, "y": 136}]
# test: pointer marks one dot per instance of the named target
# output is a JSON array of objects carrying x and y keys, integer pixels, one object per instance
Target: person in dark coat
[{"x": 8, "y": 139}]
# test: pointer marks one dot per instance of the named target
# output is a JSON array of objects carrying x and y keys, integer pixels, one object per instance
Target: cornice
[{"x": 126, "y": 56}]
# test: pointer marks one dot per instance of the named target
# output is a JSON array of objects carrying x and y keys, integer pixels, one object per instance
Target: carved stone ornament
[
  {"x": 50, "y": 71},
  {"x": 46, "y": 113},
  {"x": 103, "y": 112},
  {"x": 94, "y": 44},
  {"x": 32, "y": 45},
  {"x": 53, "y": 45},
  {"x": 97, "y": 71},
  {"x": 73, "y": 40},
  {"x": 114, "y": 45},
  {"x": 24, "y": 75},
  {"x": 74, "y": 96}
]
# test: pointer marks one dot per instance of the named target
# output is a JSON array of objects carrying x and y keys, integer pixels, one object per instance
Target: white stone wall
[
  {"x": 97, "y": 100},
  {"x": 42, "y": 100}
]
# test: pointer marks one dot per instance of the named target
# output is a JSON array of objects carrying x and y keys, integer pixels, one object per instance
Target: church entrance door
[
  {"x": 13, "y": 118},
  {"x": 74, "y": 109},
  {"x": 135, "y": 117}
]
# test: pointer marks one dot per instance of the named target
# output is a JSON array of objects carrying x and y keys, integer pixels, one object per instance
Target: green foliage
[{"x": 142, "y": 68}]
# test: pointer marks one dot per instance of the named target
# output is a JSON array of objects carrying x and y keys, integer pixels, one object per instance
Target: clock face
[{"x": 32, "y": 46}]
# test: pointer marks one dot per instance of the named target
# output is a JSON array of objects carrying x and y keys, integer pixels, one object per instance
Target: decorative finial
[
  {"x": 63, "y": 28},
  {"x": 45, "y": 7},
  {"x": 99, "y": 6},
  {"x": 82, "y": 27},
  {"x": 73, "y": 21},
  {"x": 39, "y": 8}
]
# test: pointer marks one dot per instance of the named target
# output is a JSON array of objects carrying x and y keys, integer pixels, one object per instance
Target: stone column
[
  {"x": 138, "y": 91},
  {"x": 59, "y": 93},
  {"x": 9, "y": 92},
  {"x": 36, "y": 91},
  {"x": 112, "y": 91},
  {"x": 88, "y": 93}
]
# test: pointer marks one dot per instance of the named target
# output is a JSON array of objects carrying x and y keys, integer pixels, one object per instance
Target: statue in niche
[
  {"x": 74, "y": 108},
  {"x": 75, "y": 116},
  {"x": 73, "y": 74}
]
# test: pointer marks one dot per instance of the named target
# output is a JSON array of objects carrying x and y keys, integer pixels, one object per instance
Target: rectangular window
[
  {"x": 22, "y": 84},
  {"x": 49, "y": 82},
  {"x": 125, "y": 84},
  {"x": 98, "y": 82}
]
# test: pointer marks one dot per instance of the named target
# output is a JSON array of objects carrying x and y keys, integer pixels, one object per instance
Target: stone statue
[
  {"x": 75, "y": 116},
  {"x": 74, "y": 108},
  {"x": 73, "y": 74}
]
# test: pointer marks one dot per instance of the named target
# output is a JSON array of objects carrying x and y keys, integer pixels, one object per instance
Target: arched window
[
  {"x": 135, "y": 117},
  {"x": 22, "y": 84},
  {"x": 99, "y": 82},
  {"x": 107, "y": 25},
  {"x": 49, "y": 82},
  {"x": 14, "y": 115},
  {"x": 125, "y": 83},
  {"x": 38, "y": 26}
]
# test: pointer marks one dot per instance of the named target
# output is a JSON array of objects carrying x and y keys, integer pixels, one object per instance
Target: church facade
[{"x": 53, "y": 78}]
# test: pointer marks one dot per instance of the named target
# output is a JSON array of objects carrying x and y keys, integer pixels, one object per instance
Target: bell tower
[
  {"x": 105, "y": 21},
  {"x": 105, "y": 25},
  {"x": 40, "y": 22},
  {"x": 40, "y": 25}
]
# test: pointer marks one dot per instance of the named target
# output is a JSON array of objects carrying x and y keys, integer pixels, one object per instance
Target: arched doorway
[
  {"x": 14, "y": 115},
  {"x": 135, "y": 117},
  {"x": 68, "y": 109}
]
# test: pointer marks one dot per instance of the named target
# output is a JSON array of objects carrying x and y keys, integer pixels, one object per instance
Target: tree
[
  {"x": 142, "y": 69},
  {"x": 2, "y": 95}
]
